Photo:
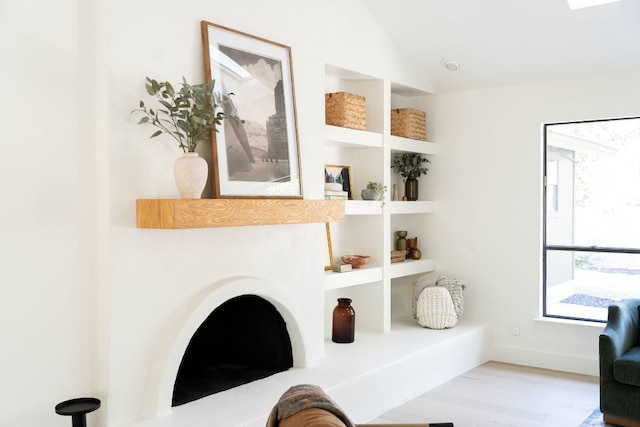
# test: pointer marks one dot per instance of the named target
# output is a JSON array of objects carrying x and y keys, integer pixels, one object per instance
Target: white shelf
[
  {"x": 400, "y": 144},
  {"x": 410, "y": 267},
  {"x": 414, "y": 207},
  {"x": 351, "y": 138},
  {"x": 352, "y": 278},
  {"x": 363, "y": 207},
  {"x": 370, "y": 225}
]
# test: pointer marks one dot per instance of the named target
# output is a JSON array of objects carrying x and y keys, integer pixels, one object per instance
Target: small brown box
[
  {"x": 345, "y": 110},
  {"x": 398, "y": 256},
  {"x": 409, "y": 123}
]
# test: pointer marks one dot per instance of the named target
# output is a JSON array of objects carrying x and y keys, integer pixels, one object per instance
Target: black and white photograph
[{"x": 255, "y": 153}]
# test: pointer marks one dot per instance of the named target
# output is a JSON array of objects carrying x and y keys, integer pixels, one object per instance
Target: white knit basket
[
  {"x": 425, "y": 281},
  {"x": 435, "y": 309}
]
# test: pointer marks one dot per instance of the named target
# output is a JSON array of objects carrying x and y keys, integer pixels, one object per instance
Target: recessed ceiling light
[
  {"x": 579, "y": 4},
  {"x": 451, "y": 65}
]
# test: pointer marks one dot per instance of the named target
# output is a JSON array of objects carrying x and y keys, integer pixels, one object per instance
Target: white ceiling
[{"x": 504, "y": 42}]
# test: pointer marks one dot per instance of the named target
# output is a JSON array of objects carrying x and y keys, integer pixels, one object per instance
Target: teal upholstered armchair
[{"x": 620, "y": 364}]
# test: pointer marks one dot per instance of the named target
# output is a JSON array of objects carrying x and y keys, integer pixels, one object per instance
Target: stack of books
[{"x": 335, "y": 195}]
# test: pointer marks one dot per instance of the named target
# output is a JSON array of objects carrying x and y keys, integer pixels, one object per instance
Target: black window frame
[{"x": 568, "y": 248}]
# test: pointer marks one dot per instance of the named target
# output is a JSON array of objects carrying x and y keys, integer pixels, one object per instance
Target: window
[{"x": 591, "y": 240}]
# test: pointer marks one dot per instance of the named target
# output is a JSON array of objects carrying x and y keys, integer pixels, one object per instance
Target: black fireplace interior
[{"x": 243, "y": 340}]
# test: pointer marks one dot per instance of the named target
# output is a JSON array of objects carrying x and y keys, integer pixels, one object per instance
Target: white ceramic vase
[{"x": 191, "y": 172}]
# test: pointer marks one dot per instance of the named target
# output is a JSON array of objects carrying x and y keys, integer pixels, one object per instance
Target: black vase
[
  {"x": 344, "y": 322},
  {"x": 411, "y": 189}
]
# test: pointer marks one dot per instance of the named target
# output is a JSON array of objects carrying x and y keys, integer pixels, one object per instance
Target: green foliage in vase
[
  {"x": 188, "y": 114},
  {"x": 410, "y": 165}
]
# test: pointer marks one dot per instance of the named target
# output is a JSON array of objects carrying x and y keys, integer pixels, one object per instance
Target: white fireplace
[
  {"x": 166, "y": 368},
  {"x": 164, "y": 283}
]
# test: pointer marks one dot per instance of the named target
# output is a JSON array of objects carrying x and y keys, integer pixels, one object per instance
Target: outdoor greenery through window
[{"x": 591, "y": 246}]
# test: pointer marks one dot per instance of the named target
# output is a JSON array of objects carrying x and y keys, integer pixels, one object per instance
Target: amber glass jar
[{"x": 344, "y": 322}]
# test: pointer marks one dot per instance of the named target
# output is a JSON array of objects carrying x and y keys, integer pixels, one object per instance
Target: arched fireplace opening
[{"x": 242, "y": 340}]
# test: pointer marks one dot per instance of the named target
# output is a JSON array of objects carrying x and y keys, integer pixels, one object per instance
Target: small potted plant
[
  {"x": 188, "y": 114},
  {"x": 374, "y": 191},
  {"x": 410, "y": 167}
]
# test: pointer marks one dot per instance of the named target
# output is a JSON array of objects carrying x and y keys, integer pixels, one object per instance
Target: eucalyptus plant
[
  {"x": 377, "y": 187},
  {"x": 188, "y": 114},
  {"x": 410, "y": 165}
]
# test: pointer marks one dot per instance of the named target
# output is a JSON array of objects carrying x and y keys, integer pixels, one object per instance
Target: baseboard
[{"x": 545, "y": 360}]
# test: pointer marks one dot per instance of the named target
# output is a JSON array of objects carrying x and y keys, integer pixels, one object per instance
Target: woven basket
[
  {"x": 345, "y": 110},
  {"x": 409, "y": 123}
]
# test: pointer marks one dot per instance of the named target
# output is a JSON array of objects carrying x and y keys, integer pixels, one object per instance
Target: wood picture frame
[{"x": 255, "y": 154}]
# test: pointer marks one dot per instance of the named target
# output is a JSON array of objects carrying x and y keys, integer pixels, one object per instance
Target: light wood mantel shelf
[{"x": 205, "y": 213}]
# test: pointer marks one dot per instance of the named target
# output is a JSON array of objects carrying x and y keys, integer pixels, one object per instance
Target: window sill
[{"x": 587, "y": 323}]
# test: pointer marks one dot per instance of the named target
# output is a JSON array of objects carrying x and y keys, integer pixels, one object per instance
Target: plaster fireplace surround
[
  {"x": 231, "y": 290},
  {"x": 165, "y": 370}
]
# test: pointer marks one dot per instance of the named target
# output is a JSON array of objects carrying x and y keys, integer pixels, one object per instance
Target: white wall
[
  {"x": 47, "y": 221},
  {"x": 487, "y": 180}
]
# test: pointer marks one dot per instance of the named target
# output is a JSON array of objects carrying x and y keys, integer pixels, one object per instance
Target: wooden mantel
[{"x": 205, "y": 213}]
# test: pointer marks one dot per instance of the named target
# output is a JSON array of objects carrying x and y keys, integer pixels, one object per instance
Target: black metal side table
[{"x": 78, "y": 409}]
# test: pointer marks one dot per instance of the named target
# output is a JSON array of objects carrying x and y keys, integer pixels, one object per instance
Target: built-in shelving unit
[{"x": 370, "y": 226}]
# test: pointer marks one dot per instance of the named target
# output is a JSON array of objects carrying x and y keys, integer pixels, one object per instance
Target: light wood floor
[{"x": 498, "y": 394}]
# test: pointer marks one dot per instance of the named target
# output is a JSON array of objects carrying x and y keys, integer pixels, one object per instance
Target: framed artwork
[
  {"x": 329, "y": 262},
  {"x": 337, "y": 174},
  {"x": 256, "y": 153}
]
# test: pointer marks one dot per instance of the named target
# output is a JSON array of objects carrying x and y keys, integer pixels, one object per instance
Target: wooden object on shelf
[
  {"x": 205, "y": 213},
  {"x": 409, "y": 123},
  {"x": 345, "y": 110},
  {"x": 398, "y": 256}
]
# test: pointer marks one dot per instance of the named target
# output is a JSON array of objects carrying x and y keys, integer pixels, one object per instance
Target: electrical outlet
[
  {"x": 515, "y": 328},
  {"x": 474, "y": 246}
]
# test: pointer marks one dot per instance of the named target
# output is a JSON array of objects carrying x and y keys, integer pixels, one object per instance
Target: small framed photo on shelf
[{"x": 337, "y": 182}]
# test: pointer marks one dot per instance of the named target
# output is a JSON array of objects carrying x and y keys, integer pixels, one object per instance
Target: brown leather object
[{"x": 312, "y": 417}]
